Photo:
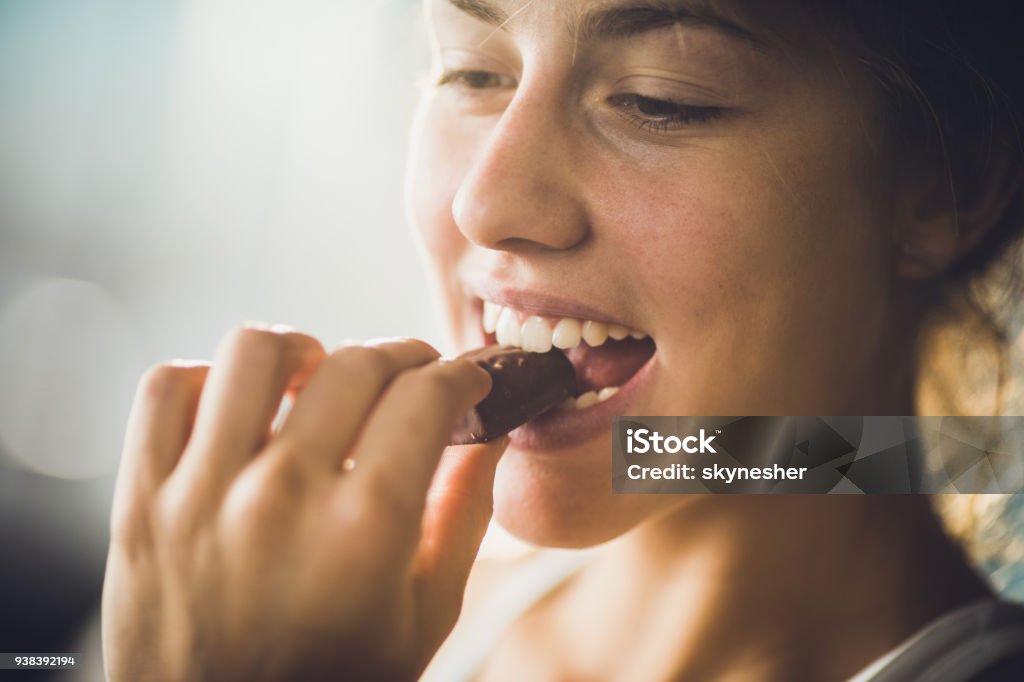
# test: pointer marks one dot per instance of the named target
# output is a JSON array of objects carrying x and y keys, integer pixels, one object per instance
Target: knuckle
[
  {"x": 368, "y": 365},
  {"x": 433, "y": 383},
  {"x": 426, "y": 388},
  {"x": 263, "y": 495},
  {"x": 176, "y": 513},
  {"x": 384, "y": 504},
  {"x": 359, "y": 510},
  {"x": 280, "y": 475},
  {"x": 257, "y": 345},
  {"x": 162, "y": 381},
  {"x": 247, "y": 504},
  {"x": 423, "y": 346}
]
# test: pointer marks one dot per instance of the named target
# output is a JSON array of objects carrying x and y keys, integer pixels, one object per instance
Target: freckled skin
[{"x": 755, "y": 249}]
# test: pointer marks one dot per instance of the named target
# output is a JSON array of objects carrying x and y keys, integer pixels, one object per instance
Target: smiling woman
[{"x": 710, "y": 208}]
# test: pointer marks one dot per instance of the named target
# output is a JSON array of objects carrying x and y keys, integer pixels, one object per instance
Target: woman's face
[{"x": 674, "y": 168}]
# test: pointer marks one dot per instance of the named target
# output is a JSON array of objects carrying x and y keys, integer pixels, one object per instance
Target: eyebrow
[
  {"x": 629, "y": 19},
  {"x": 481, "y": 10}
]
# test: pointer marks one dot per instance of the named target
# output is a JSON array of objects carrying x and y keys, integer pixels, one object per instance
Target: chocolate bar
[{"x": 525, "y": 385}]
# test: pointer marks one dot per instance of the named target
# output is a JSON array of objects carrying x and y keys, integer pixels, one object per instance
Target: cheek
[
  {"x": 676, "y": 236},
  {"x": 770, "y": 261},
  {"x": 428, "y": 197},
  {"x": 438, "y": 160},
  {"x": 668, "y": 237},
  {"x": 736, "y": 222}
]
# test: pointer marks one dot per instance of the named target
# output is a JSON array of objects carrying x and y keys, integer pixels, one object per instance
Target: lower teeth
[{"x": 588, "y": 399}]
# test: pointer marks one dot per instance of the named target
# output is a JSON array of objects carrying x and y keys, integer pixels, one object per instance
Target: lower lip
[{"x": 565, "y": 429}]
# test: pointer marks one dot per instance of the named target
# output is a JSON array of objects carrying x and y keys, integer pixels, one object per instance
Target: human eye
[
  {"x": 475, "y": 79},
  {"x": 661, "y": 115}
]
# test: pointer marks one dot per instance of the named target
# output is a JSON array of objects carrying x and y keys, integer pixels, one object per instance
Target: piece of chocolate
[{"x": 525, "y": 384}]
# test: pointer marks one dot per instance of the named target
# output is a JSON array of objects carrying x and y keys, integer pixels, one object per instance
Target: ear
[{"x": 934, "y": 231}]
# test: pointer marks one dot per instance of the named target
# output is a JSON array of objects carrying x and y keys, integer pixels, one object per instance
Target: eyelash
[
  {"x": 471, "y": 79},
  {"x": 677, "y": 115},
  {"x": 672, "y": 115}
]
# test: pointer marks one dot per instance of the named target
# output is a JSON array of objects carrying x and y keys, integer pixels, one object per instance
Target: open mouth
[{"x": 605, "y": 355}]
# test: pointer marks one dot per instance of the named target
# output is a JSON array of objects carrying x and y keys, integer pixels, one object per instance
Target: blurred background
[{"x": 169, "y": 169}]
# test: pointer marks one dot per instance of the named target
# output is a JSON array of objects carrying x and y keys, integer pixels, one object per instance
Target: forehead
[
  {"x": 791, "y": 34},
  {"x": 757, "y": 22}
]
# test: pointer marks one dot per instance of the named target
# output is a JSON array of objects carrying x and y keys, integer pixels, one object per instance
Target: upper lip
[{"x": 537, "y": 302}]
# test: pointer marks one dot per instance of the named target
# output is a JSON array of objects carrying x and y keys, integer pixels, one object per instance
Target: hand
[{"x": 241, "y": 554}]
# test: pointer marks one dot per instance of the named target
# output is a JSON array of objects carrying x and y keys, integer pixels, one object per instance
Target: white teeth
[
  {"x": 617, "y": 332},
  {"x": 491, "y": 313},
  {"x": 588, "y": 399},
  {"x": 567, "y": 333},
  {"x": 508, "y": 328},
  {"x": 535, "y": 336},
  {"x": 595, "y": 333}
]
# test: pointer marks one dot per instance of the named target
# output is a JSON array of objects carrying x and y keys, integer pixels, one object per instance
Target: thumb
[{"x": 458, "y": 509}]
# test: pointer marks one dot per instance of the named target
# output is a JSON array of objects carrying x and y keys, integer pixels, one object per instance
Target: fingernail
[
  {"x": 381, "y": 340},
  {"x": 182, "y": 362}
]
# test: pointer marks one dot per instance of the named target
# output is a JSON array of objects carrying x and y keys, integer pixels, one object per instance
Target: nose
[{"x": 521, "y": 191}]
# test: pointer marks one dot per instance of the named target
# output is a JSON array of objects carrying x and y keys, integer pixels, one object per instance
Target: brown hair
[{"x": 950, "y": 75}]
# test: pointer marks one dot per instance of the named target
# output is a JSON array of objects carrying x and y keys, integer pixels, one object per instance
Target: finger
[
  {"x": 158, "y": 429},
  {"x": 326, "y": 418},
  {"x": 160, "y": 421},
  {"x": 403, "y": 439},
  {"x": 459, "y": 507},
  {"x": 251, "y": 372}
]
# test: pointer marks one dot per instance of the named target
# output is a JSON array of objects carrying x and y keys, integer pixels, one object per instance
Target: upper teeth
[{"x": 536, "y": 334}]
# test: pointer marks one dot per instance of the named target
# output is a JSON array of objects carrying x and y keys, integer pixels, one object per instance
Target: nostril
[
  {"x": 523, "y": 245},
  {"x": 521, "y": 235}
]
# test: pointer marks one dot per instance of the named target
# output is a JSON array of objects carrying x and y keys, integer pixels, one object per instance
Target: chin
[{"x": 563, "y": 504}]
